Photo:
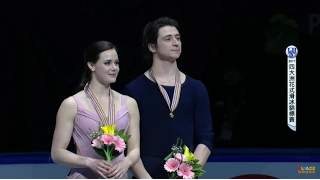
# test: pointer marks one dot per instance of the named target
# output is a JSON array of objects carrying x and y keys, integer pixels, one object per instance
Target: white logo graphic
[{"x": 292, "y": 53}]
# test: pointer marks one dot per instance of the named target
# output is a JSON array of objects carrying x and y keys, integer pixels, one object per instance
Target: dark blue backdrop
[{"x": 42, "y": 45}]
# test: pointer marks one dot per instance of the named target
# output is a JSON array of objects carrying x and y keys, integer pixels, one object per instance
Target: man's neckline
[{"x": 187, "y": 77}]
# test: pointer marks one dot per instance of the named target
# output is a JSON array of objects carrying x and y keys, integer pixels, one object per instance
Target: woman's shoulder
[
  {"x": 68, "y": 107},
  {"x": 71, "y": 101},
  {"x": 119, "y": 96},
  {"x": 128, "y": 100},
  {"x": 80, "y": 94}
]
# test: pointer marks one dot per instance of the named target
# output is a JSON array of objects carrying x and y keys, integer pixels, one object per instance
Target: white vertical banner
[{"x": 292, "y": 53}]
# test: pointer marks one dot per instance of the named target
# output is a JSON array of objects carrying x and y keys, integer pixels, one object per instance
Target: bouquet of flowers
[
  {"x": 109, "y": 142},
  {"x": 181, "y": 163}
]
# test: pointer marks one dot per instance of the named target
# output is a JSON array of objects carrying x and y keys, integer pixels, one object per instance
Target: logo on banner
[
  {"x": 292, "y": 52},
  {"x": 281, "y": 32},
  {"x": 306, "y": 170}
]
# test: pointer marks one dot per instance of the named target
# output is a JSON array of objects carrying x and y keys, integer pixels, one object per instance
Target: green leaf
[
  {"x": 181, "y": 143},
  {"x": 199, "y": 173},
  {"x": 121, "y": 133},
  {"x": 177, "y": 143},
  {"x": 115, "y": 154},
  {"x": 112, "y": 147},
  {"x": 195, "y": 161},
  {"x": 196, "y": 167},
  {"x": 99, "y": 151},
  {"x": 173, "y": 175},
  {"x": 169, "y": 156},
  {"x": 126, "y": 137}
]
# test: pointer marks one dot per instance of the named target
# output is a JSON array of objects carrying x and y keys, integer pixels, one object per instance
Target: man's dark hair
[{"x": 151, "y": 33}]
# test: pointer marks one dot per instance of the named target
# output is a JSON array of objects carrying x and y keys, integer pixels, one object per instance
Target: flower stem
[
  {"x": 173, "y": 176},
  {"x": 107, "y": 154}
]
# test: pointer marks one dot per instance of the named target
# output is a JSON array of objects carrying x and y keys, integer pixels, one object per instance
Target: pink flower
[
  {"x": 180, "y": 157},
  {"x": 96, "y": 143},
  {"x": 171, "y": 165},
  {"x": 120, "y": 145},
  {"x": 107, "y": 139},
  {"x": 185, "y": 171}
]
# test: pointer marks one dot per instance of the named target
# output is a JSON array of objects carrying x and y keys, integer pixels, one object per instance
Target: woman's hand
[
  {"x": 100, "y": 167},
  {"x": 118, "y": 170}
]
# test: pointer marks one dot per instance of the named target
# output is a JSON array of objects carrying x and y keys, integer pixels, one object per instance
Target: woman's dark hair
[
  {"x": 91, "y": 54},
  {"x": 151, "y": 33}
]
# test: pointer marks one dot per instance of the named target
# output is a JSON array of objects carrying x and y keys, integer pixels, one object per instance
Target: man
[{"x": 171, "y": 104}]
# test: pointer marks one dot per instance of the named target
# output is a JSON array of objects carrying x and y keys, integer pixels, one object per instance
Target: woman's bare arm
[
  {"x": 62, "y": 135},
  {"x": 137, "y": 167},
  {"x": 133, "y": 151},
  {"x": 139, "y": 171}
]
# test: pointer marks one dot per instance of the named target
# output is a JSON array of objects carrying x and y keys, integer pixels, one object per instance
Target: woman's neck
[
  {"x": 164, "y": 69},
  {"x": 99, "y": 90}
]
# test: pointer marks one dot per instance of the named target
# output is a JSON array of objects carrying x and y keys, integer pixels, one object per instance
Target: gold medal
[
  {"x": 176, "y": 93},
  {"x": 171, "y": 115}
]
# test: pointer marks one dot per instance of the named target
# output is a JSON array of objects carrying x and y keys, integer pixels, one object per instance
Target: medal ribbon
[
  {"x": 176, "y": 94},
  {"x": 104, "y": 119}
]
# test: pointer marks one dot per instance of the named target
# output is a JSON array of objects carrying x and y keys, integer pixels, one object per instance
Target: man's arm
[{"x": 203, "y": 124}]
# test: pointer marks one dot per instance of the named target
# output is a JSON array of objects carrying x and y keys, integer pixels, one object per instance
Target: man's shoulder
[
  {"x": 136, "y": 82},
  {"x": 198, "y": 88},
  {"x": 133, "y": 88},
  {"x": 194, "y": 82},
  {"x": 197, "y": 85}
]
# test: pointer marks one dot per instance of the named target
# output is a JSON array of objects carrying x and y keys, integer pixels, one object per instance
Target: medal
[
  {"x": 176, "y": 95},
  {"x": 104, "y": 119}
]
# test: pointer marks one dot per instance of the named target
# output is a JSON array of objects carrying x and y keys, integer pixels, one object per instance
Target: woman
[{"x": 84, "y": 112}]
